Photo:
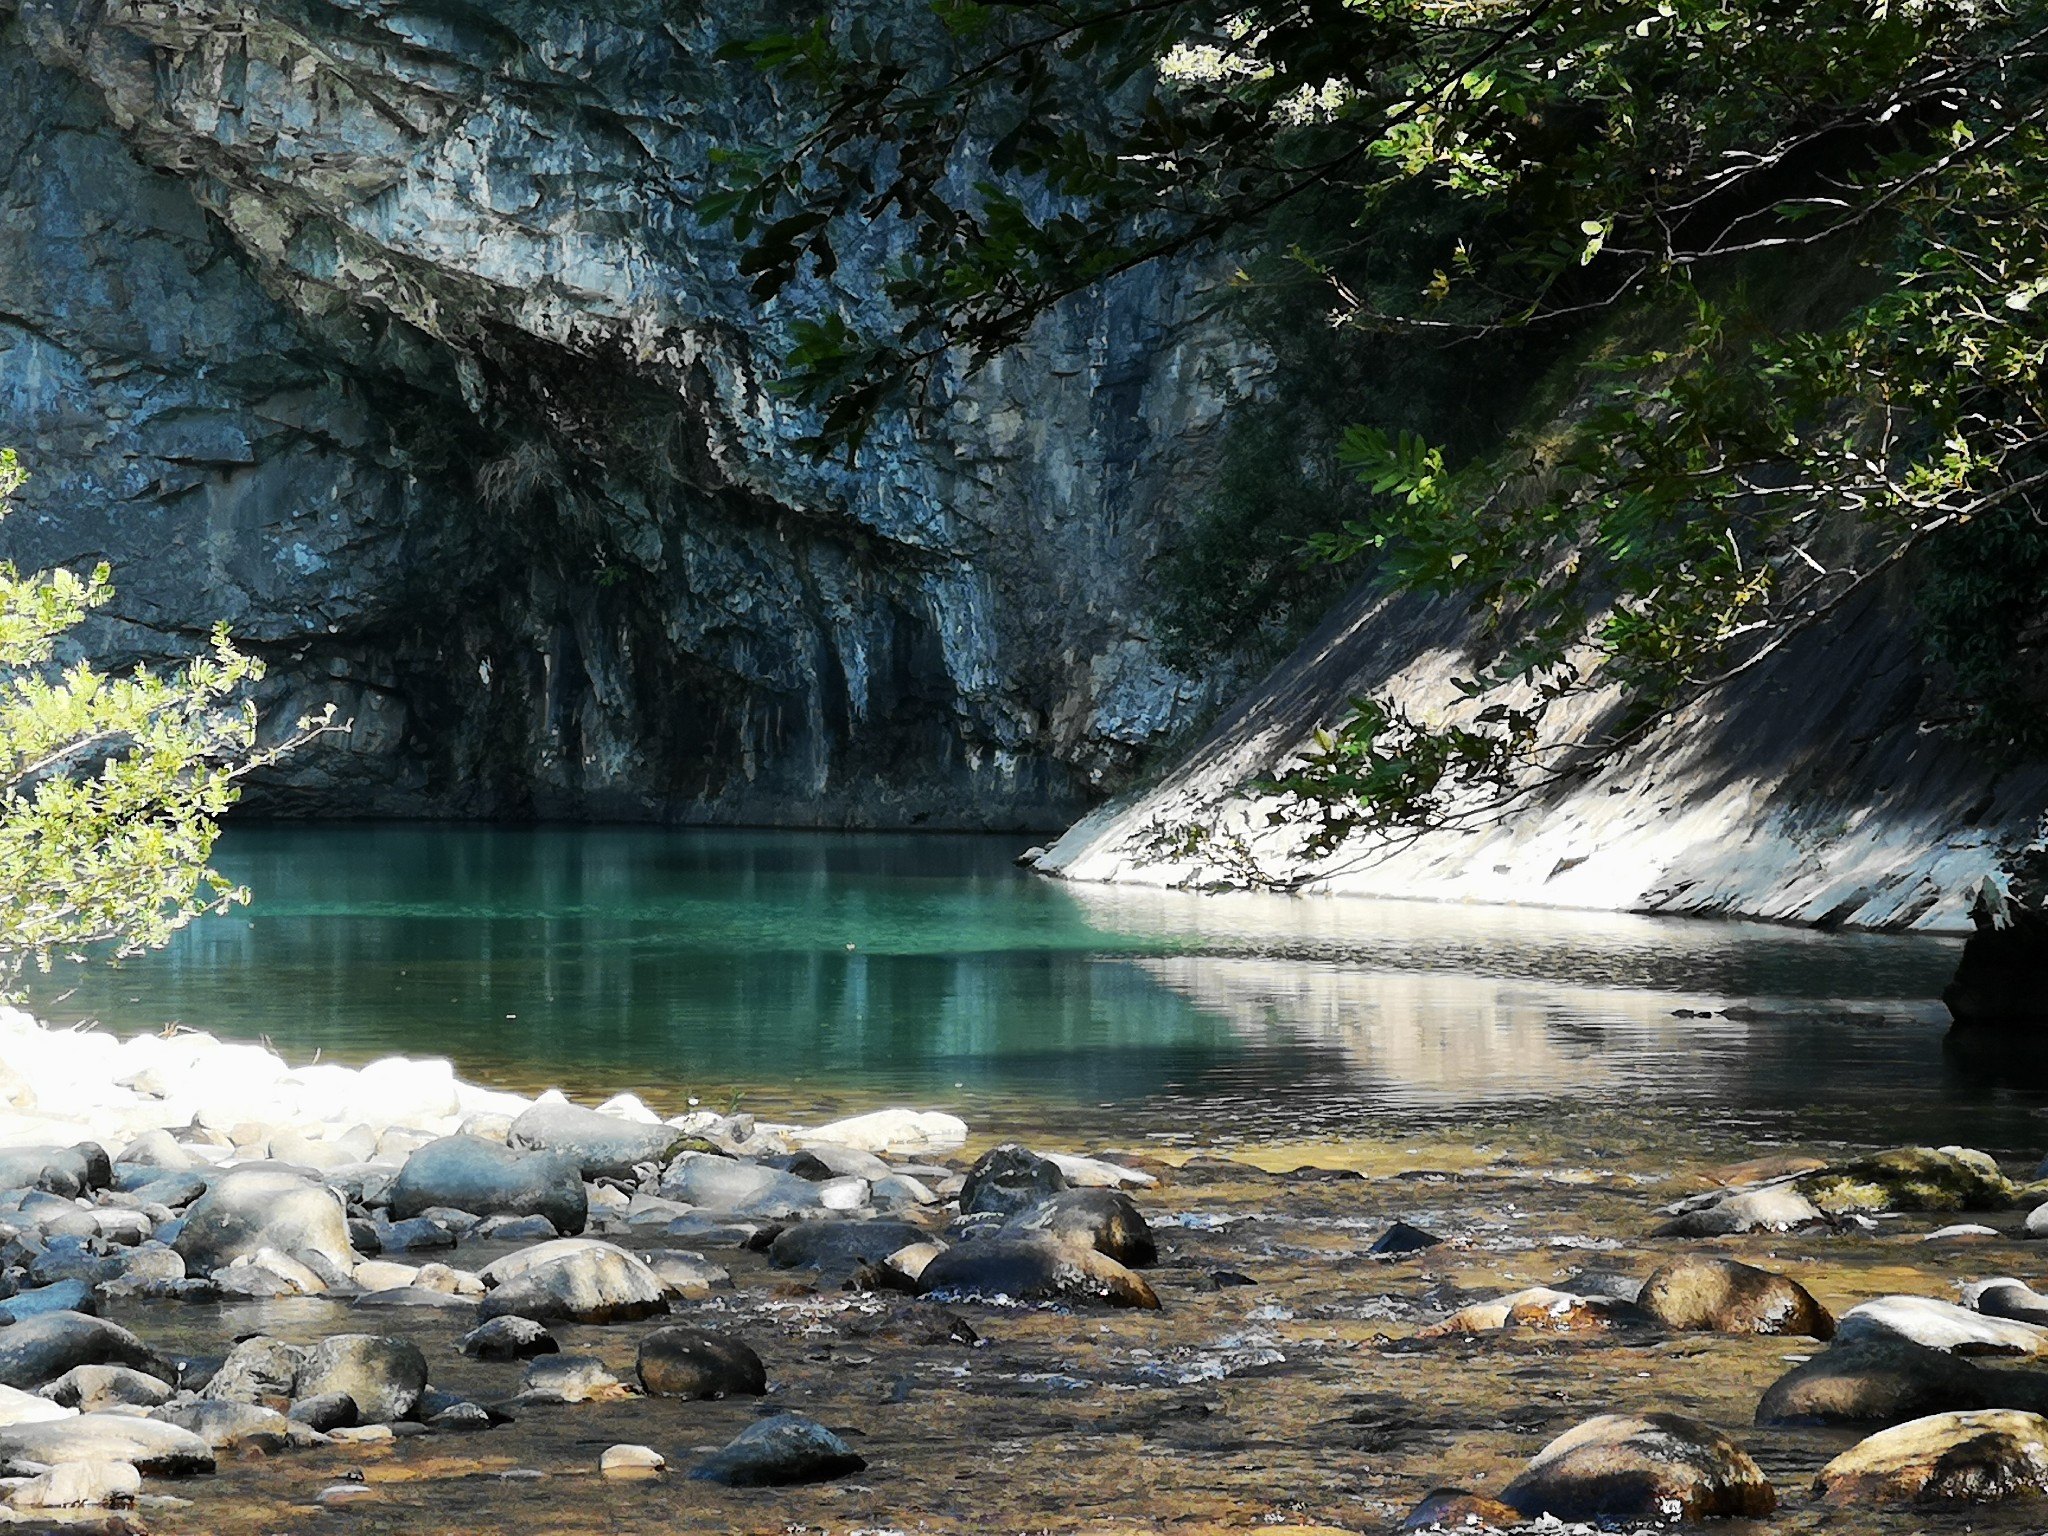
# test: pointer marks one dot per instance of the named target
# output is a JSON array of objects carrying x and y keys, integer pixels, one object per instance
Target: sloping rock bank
[{"x": 1812, "y": 790}]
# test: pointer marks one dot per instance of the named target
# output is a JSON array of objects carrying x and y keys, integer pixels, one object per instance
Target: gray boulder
[
  {"x": 256, "y": 1370},
  {"x": 582, "y": 1282},
  {"x": 721, "y": 1184},
  {"x": 601, "y": 1145},
  {"x": 508, "y": 1338},
  {"x": 263, "y": 1207},
  {"x": 785, "y": 1449},
  {"x": 63, "y": 1296},
  {"x": 91, "y": 1388},
  {"x": 384, "y": 1375},
  {"x": 42, "y": 1348},
  {"x": 492, "y": 1180}
]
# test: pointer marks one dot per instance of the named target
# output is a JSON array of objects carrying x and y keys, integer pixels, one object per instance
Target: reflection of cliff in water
[
  {"x": 1437, "y": 1039},
  {"x": 1580, "y": 949}
]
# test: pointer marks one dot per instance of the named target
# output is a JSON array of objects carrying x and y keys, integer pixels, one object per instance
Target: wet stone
[
  {"x": 508, "y": 1338},
  {"x": 1978, "y": 1457},
  {"x": 1102, "y": 1219},
  {"x": 786, "y": 1449},
  {"x": 1018, "y": 1269},
  {"x": 568, "y": 1379},
  {"x": 1009, "y": 1179},
  {"x": 693, "y": 1363},
  {"x": 1711, "y": 1293},
  {"x": 1641, "y": 1467},
  {"x": 1887, "y": 1380}
]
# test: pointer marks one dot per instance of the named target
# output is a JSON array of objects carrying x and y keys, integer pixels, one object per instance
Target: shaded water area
[{"x": 808, "y": 971}]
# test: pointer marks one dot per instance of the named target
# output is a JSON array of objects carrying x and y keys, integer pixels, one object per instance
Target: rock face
[
  {"x": 489, "y": 1179},
  {"x": 1977, "y": 1457},
  {"x": 1647, "y": 1467},
  {"x": 490, "y": 461}
]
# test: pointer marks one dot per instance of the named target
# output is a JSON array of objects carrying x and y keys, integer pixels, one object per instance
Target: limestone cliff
[{"x": 385, "y": 333}]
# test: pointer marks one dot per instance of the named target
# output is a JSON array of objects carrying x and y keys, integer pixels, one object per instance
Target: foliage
[
  {"x": 1666, "y": 171},
  {"x": 110, "y": 786}
]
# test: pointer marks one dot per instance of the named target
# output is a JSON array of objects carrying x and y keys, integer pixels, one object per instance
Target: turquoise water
[{"x": 846, "y": 967}]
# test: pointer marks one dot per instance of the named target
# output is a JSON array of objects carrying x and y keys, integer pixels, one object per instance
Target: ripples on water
[{"x": 817, "y": 967}]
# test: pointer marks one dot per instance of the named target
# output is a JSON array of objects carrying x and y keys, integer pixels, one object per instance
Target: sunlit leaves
[{"x": 110, "y": 784}]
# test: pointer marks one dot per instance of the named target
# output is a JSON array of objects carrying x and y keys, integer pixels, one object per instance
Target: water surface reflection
[{"x": 680, "y": 962}]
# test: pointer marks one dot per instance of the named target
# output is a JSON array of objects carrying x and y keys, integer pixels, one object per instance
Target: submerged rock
[
  {"x": 1978, "y": 1457},
  {"x": 689, "y": 1362},
  {"x": 1641, "y": 1467},
  {"x": 471, "y": 1174},
  {"x": 1541, "y": 1309},
  {"x": 1707, "y": 1292},
  {"x": 785, "y": 1449}
]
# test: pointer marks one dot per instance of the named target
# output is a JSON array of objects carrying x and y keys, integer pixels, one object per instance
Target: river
[{"x": 806, "y": 971}]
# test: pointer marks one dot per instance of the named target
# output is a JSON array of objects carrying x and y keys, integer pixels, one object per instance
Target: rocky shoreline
[{"x": 235, "y": 1293}]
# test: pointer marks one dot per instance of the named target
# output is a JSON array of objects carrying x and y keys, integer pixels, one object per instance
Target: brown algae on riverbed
[{"x": 1302, "y": 1400}]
